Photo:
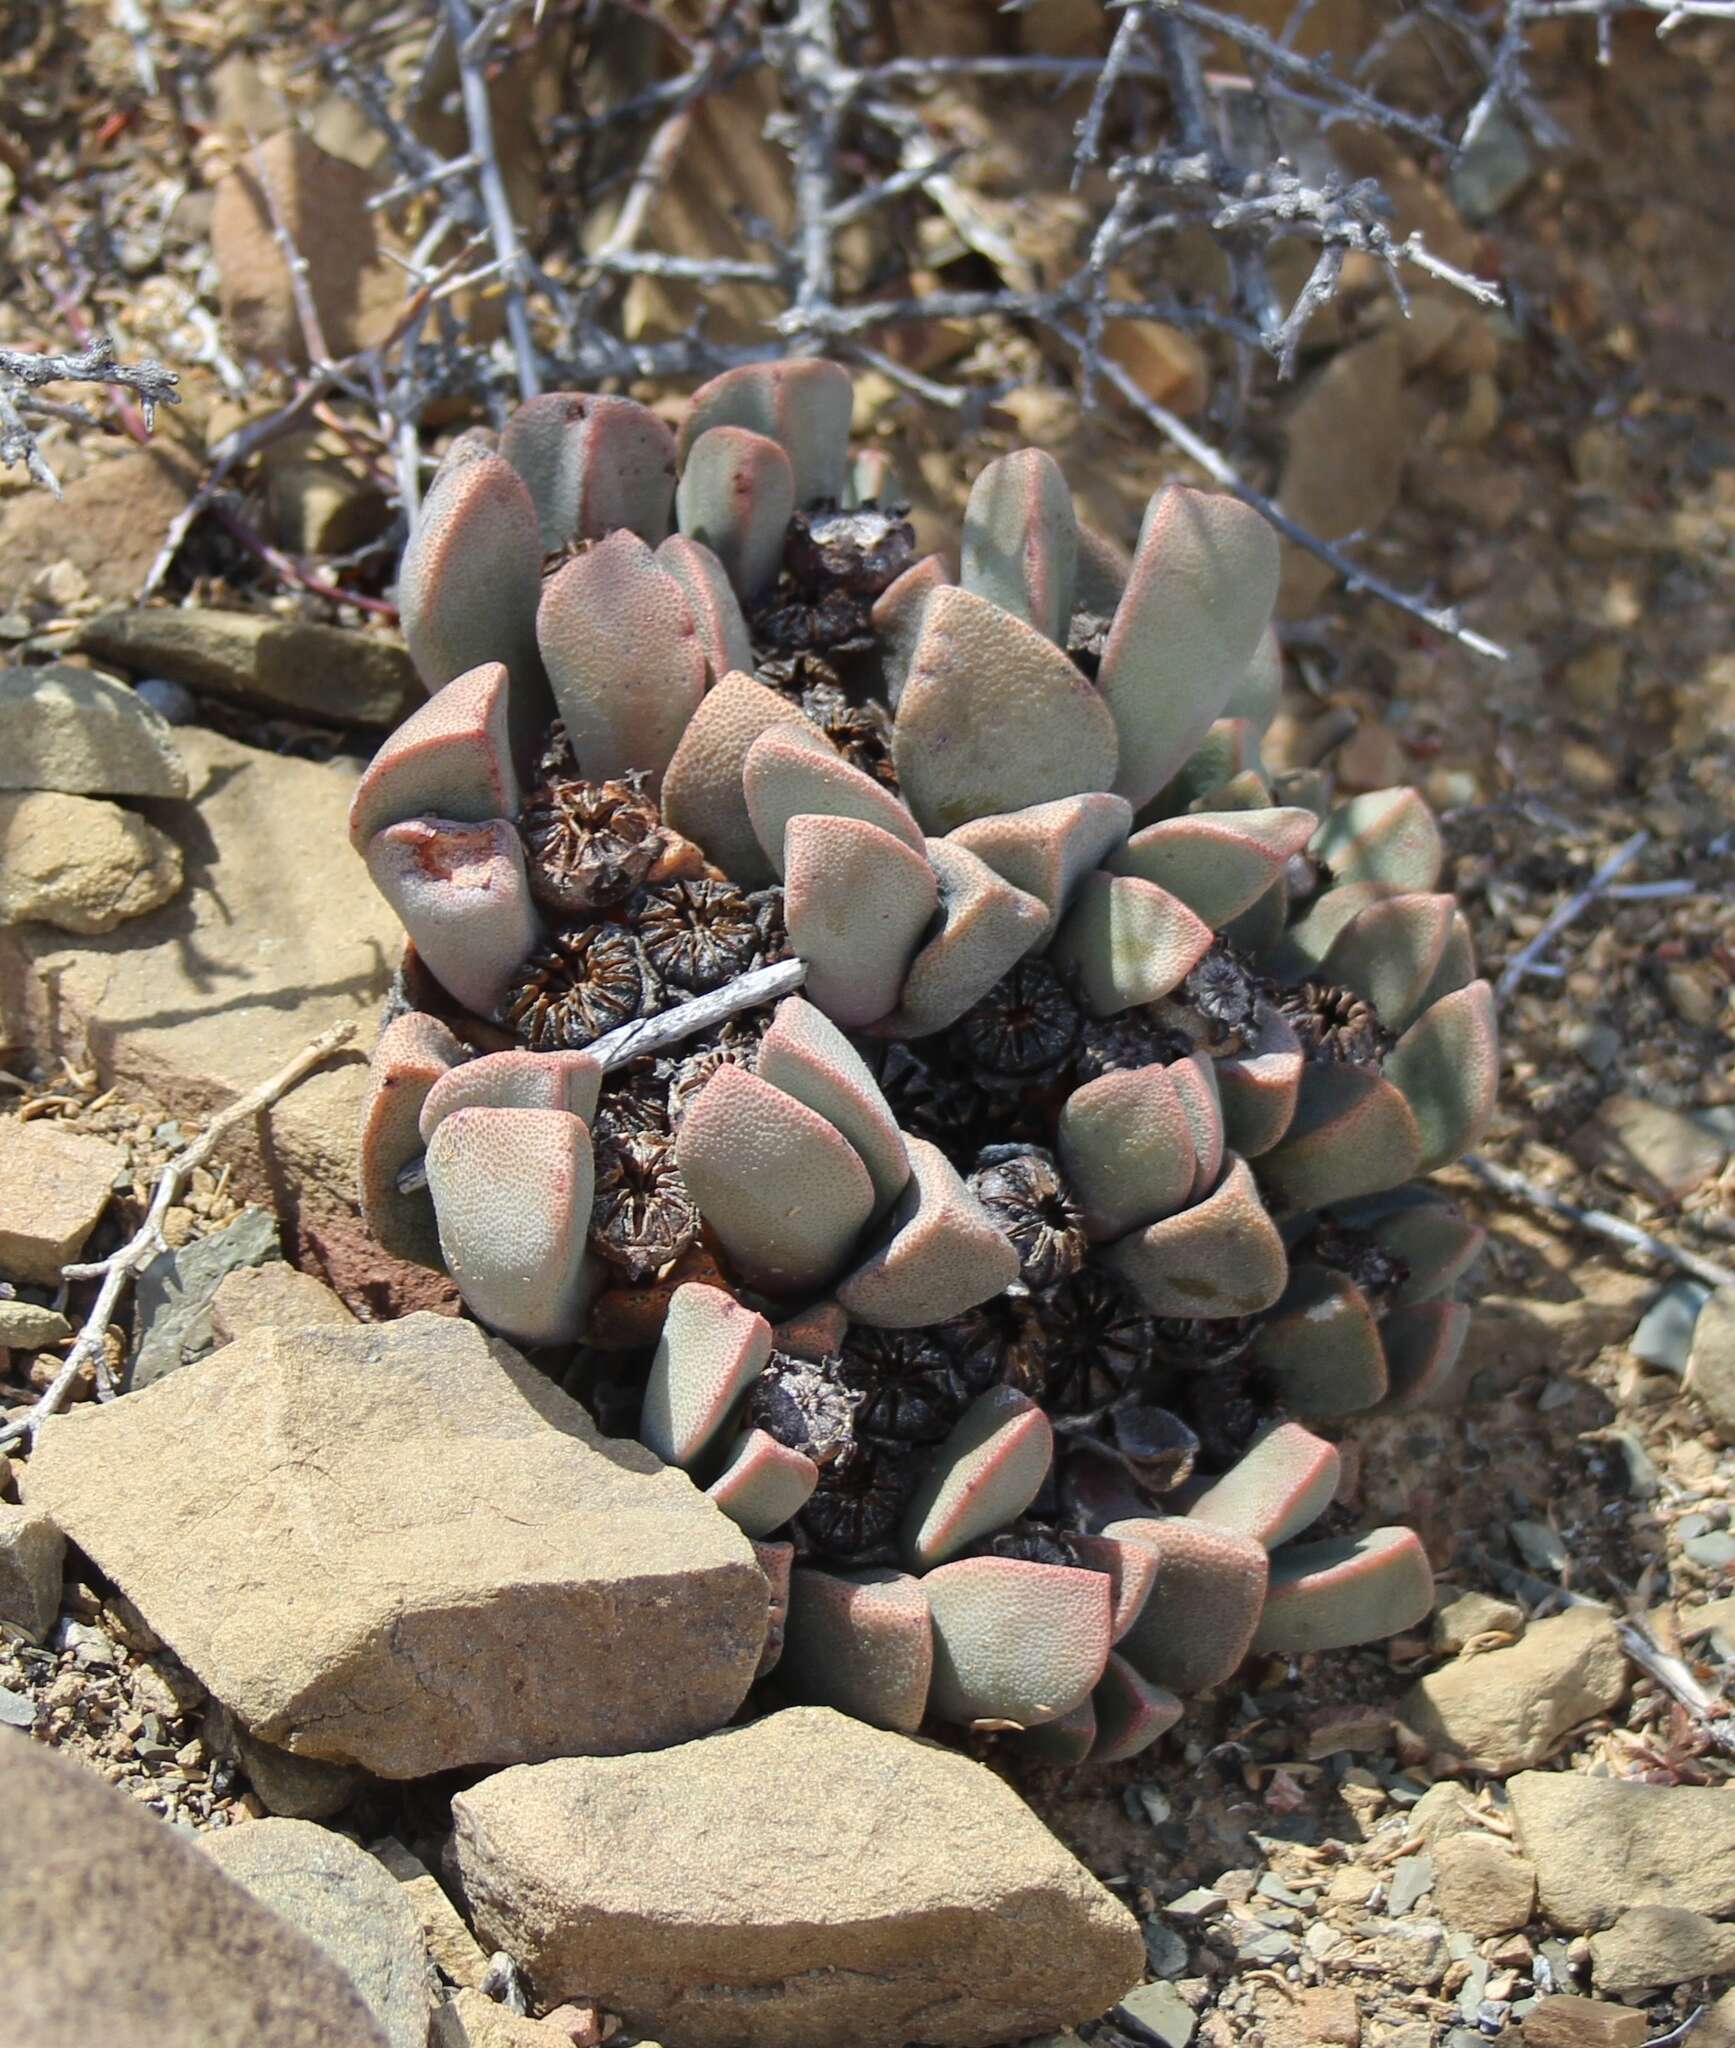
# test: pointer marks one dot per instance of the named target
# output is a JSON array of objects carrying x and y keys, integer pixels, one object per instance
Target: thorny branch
[{"x": 22, "y": 374}]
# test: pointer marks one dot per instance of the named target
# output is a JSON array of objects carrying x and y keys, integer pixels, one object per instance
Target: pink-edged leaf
[
  {"x": 814, "y": 1333},
  {"x": 1352, "y": 1134},
  {"x": 781, "y": 1189},
  {"x": 763, "y": 1484},
  {"x": 471, "y": 576},
  {"x": 512, "y": 1190},
  {"x": 985, "y": 926},
  {"x": 1015, "y": 1642},
  {"x": 711, "y": 1351},
  {"x": 1222, "y": 763},
  {"x": 516, "y": 1080},
  {"x": 1311, "y": 937},
  {"x": 896, "y": 620},
  {"x": 1388, "y": 836},
  {"x": 712, "y": 601},
  {"x": 1020, "y": 541},
  {"x": 413, "y": 1054},
  {"x": 1198, "y": 1623},
  {"x": 1321, "y": 1346},
  {"x": 940, "y": 1255},
  {"x": 1201, "y": 589},
  {"x": 1218, "y": 863},
  {"x": 461, "y": 893},
  {"x": 993, "y": 717},
  {"x": 1131, "y": 1712},
  {"x": 1125, "y": 1145},
  {"x": 1422, "y": 1345},
  {"x": 862, "y": 1642},
  {"x": 1432, "y": 1238},
  {"x": 450, "y": 759},
  {"x": 1281, "y": 1485},
  {"x": 1062, "y": 1744},
  {"x": 1222, "y": 1257},
  {"x": 1258, "y": 1089},
  {"x": 1447, "y": 1068},
  {"x": 1331, "y": 1596},
  {"x": 592, "y": 465},
  {"x": 1128, "y": 942},
  {"x": 1132, "y": 1572},
  {"x": 623, "y": 656},
  {"x": 1195, "y": 1084},
  {"x": 801, "y": 402},
  {"x": 808, "y": 1057},
  {"x": 1457, "y": 968},
  {"x": 1390, "y": 952},
  {"x": 1046, "y": 850},
  {"x": 775, "y": 1560},
  {"x": 986, "y": 1473},
  {"x": 703, "y": 797},
  {"x": 736, "y": 494},
  {"x": 785, "y": 774},
  {"x": 857, "y": 901},
  {"x": 1103, "y": 568},
  {"x": 1258, "y": 694}
]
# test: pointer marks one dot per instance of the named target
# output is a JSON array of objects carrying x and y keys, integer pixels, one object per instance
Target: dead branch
[
  {"x": 23, "y": 373},
  {"x": 1599, "y": 1222}
]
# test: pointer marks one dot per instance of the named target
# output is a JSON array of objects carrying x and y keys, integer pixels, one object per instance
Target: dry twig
[
  {"x": 1599, "y": 1222},
  {"x": 23, "y": 373}
]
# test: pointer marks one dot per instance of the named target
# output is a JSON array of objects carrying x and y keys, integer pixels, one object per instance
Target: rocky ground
[{"x": 1506, "y": 1828}]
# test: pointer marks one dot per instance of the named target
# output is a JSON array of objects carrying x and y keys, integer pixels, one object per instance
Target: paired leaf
[
  {"x": 862, "y": 1642},
  {"x": 1387, "y": 836},
  {"x": 1222, "y": 1257},
  {"x": 1331, "y": 1596},
  {"x": 1126, "y": 1148},
  {"x": 1020, "y": 541},
  {"x": 1046, "y": 850},
  {"x": 986, "y": 1473},
  {"x": 1015, "y": 1642},
  {"x": 1131, "y": 1712},
  {"x": 736, "y": 494},
  {"x": 985, "y": 926},
  {"x": 802, "y": 402},
  {"x": 785, "y": 774},
  {"x": 807, "y": 1057},
  {"x": 516, "y": 1080},
  {"x": 1128, "y": 942},
  {"x": 1447, "y": 1068},
  {"x": 592, "y": 465},
  {"x": 763, "y": 1484},
  {"x": 1282, "y": 1484},
  {"x": 472, "y": 574},
  {"x": 711, "y": 1351},
  {"x": 941, "y": 1256},
  {"x": 1218, "y": 863},
  {"x": 703, "y": 793},
  {"x": 452, "y": 758},
  {"x": 461, "y": 893},
  {"x": 1198, "y": 1623},
  {"x": 1352, "y": 1134},
  {"x": 1321, "y": 1349},
  {"x": 415, "y": 1051},
  {"x": 712, "y": 601},
  {"x": 856, "y": 901}
]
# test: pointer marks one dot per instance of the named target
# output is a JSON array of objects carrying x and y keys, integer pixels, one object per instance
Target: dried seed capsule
[
  {"x": 588, "y": 844},
  {"x": 1091, "y": 1339},
  {"x": 642, "y": 1216},
  {"x": 907, "y": 1388},
  {"x": 587, "y": 981},
  {"x": 1199, "y": 1343},
  {"x": 1335, "y": 1024},
  {"x": 806, "y": 1406},
  {"x": 858, "y": 1504},
  {"x": 1224, "y": 994},
  {"x": 1024, "y": 1028},
  {"x": 862, "y": 733},
  {"x": 1030, "y": 1542},
  {"x": 1021, "y": 1188},
  {"x": 1377, "y": 1272},
  {"x": 697, "y": 934},
  {"x": 735, "y": 1045},
  {"x": 863, "y": 551},
  {"x": 632, "y": 1100},
  {"x": 1134, "y": 1038}
]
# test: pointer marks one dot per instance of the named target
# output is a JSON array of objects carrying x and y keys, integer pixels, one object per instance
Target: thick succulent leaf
[
  {"x": 1218, "y": 863},
  {"x": 1423, "y": 1345},
  {"x": 1457, "y": 966},
  {"x": 512, "y": 1190},
  {"x": 461, "y": 893},
  {"x": 896, "y": 619},
  {"x": 1131, "y": 1712},
  {"x": 516, "y": 1080},
  {"x": 1330, "y": 1596},
  {"x": 1281, "y": 1485},
  {"x": 1126, "y": 1149},
  {"x": 463, "y": 449},
  {"x": 1020, "y": 541},
  {"x": 1352, "y": 1134},
  {"x": 623, "y": 657},
  {"x": 873, "y": 480},
  {"x": 712, "y": 601},
  {"x": 1387, "y": 836},
  {"x": 1315, "y": 932},
  {"x": 1321, "y": 1349},
  {"x": 763, "y": 1484},
  {"x": 1195, "y": 1084},
  {"x": 1219, "y": 764},
  {"x": 785, "y": 774},
  {"x": 1259, "y": 930},
  {"x": 452, "y": 758},
  {"x": 1203, "y": 581},
  {"x": 986, "y": 1473},
  {"x": 1103, "y": 568},
  {"x": 862, "y": 1642},
  {"x": 808, "y": 1057},
  {"x": 1434, "y": 1239},
  {"x": 1447, "y": 1067},
  {"x": 941, "y": 1254},
  {"x": 993, "y": 717},
  {"x": 471, "y": 576},
  {"x": 780, "y": 1188},
  {"x": 1015, "y": 1642},
  {"x": 736, "y": 495},
  {"x": 415, "y": 1051},
  {"x": 775, "y": 1560},
  {"x": 815, "y": 1333},
  {"x": 1060, "y": 1744},
  {"x": 1199, "y": 1620},
  {"x": 985, "y": 927},
  {"x": 1259, "y": 692},
  {"x": 1128, "y": 942},
  {"x": 703, "y": 797},
  {"x": 857, "y": 902},
  {"x": 1222, "y": 1257},
  {"x": 1390, "y": 952},
  {"x": 591, "y": 465},
  {"x": 803, "y": 403},
  {"x": 1132, "y": 1572},
  {"x": 1258, "y": 1088},
  {"x": 1046, "y": 850},
  {"x": 711, "y": 1351}
]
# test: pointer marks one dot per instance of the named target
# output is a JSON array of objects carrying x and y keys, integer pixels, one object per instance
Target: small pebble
[{"x": 171, "y": 701}]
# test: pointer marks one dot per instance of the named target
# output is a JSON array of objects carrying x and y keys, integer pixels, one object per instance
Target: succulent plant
[{"x": 997, "y": 1282}]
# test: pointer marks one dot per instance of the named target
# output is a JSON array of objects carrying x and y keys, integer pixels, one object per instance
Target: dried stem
[
  {"x": 1599, "y": 1222},
  {"x": 22, "y": 373},
  {"x": 1569, "y": 912}
]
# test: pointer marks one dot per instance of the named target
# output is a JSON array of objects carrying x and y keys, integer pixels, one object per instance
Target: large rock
[
  {"x": 175, "y": 1293},
  {"x": 272, "y": 1297},
  {"x": 1480, "y": 1886},
  {"x": 803, "y": 1879},
  {"x": 118, "y": 1930},
  {"x": 1711, "y": 1365},
  {"x": 71, "y": 729},
  {"x": 54, "y": 1184},
  {"x": 80, "y": 863},
  {"x": 110, "y": 524},
  {"x": 1657, "y": 1945},
  {"x": 1602, "y": 1845},
  {"x": 278, "y": 935},
  {"x": 401, "y": 1547},
  {"x": 269, "y": 664},
  {"x": 32, "y": 1551},
  {"x": 1511, "y": 1709},
  {"x": 341, "y": 1898}
]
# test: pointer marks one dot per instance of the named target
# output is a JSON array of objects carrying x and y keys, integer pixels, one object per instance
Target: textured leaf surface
[
  {"x": 862, "y": 1642},
  {"x": 472, "y": 574},
  {"x": 941, "y": 1254},
  {"x": 803, "y": 403},
  {"x": 451, "y": 758},
  {"x": 785, "y": 774},
  {"x": 1128, "y": 942},
  {"x": 985, "y": 928},
  {"x": 735, "y": 495},
  {"x": 1387, "y": 836},
  {"x": 703, "y": 796},
  {"x": 1015, "y": 1642},
  {"x": 1447, "y": 1067},
  {"x": 461, "y": 893},
  {"x": 986, "y": 1473},
  {"x": 857, "y": 901},
  {"x": 808, "y": 1057},
  {"x": 1047, "y": 849},
  {"x": 516, "y": 1080},
  {"x": 763, "y": 1484},
  {"x": 1321, "y": 1349},
  {"x": 1222, "y": 1257},
  {"x": 1198, "y": 1623},
  {"x": 712, "y": 601},
  {"x": 1352, "y": 1134},
  {"x": 711, "y": 1351},
  {"x": 413, "y": 1054},
  {"x": 591, "y": 465},
  {"x": 1126, "y": 1148},
  {"x": 1330, "y": 1596},
  {"x": 1281, "y": 1485},
  {"x": 1020, "y": 541},
  {"x": 1218, "y": 863},
  {"x": 1131, "y": 1712}
]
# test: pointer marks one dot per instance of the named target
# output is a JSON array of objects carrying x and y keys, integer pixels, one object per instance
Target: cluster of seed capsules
[{"x": 999, "y": 1277}]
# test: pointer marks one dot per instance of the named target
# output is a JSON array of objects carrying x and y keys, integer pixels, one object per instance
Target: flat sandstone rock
[
  {"x": 803, "y": 1879},
  {"x": 1604, "y": 1845},
  {"x": 401, "y": 1547}
]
